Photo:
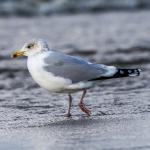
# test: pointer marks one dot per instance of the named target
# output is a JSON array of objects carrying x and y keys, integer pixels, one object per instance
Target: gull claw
[{"x": 67, "y": 115}]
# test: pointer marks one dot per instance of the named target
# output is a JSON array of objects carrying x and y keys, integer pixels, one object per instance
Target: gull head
[{"x": 31, "y": 48}]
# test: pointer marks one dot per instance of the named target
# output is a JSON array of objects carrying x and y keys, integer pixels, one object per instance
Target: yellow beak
[{"x": 16, "y": 54}]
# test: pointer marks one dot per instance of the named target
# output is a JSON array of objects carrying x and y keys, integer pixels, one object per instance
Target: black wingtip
[
  {"x": 120, "y": 74},
  {"x": 128, "y": 72}
]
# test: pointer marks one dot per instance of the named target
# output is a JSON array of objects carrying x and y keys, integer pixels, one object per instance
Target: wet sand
[
  {"x": 117, "y": 132},
  {"x": 32, "y": 118}
]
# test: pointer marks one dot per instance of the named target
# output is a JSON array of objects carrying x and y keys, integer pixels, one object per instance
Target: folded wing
[{"x": 75, "y": 69}]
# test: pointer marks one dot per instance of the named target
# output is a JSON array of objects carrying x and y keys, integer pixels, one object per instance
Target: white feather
[{"x": 43, "y": 78}]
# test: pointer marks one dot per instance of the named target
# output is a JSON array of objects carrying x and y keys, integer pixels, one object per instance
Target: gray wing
[{"x": 74, "y": 68}]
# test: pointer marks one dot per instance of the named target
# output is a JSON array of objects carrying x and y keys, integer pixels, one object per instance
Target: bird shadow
[{"x": 73, "y": 121}]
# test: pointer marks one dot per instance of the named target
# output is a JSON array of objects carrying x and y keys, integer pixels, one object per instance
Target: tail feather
[{"x": 121, "y": 73}]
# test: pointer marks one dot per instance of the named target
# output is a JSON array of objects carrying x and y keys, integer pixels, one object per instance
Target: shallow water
[{"x": 32, "y": 118}]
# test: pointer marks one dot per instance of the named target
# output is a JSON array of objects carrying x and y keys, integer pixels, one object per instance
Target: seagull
[{"x": 62, "y": 73}]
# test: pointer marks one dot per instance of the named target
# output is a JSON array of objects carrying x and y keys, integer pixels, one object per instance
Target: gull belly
[{"x": 46, "y": 79}]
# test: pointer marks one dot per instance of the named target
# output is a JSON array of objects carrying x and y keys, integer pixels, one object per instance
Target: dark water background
[
  {"x": 49, "y": 7},
  {"x": 32, "y": 118}
]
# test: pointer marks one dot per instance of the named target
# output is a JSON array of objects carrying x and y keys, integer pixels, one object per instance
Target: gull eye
[{"x": 29, "y": 46}]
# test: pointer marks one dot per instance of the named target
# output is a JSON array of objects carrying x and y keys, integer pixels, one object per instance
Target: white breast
[{"x": 45, "y": 79}]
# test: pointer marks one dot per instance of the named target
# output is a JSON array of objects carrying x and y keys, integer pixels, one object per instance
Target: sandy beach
[{"x": 32, "y": 118}]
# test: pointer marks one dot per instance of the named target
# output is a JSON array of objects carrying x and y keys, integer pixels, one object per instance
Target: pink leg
[{"x": 82, "y": 105}]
